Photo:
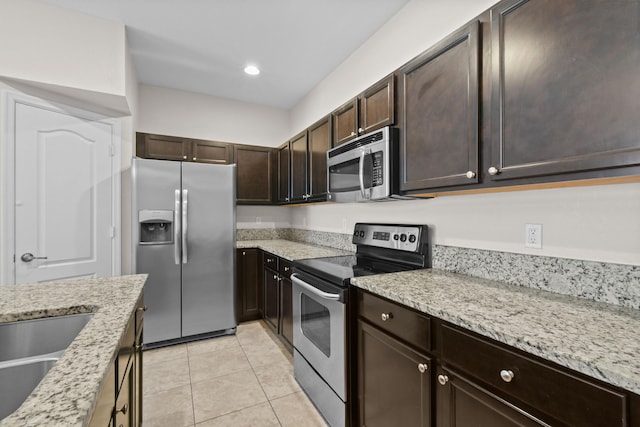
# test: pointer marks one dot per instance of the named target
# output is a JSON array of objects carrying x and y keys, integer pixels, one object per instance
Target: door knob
[{"x": 28, "y": 257}]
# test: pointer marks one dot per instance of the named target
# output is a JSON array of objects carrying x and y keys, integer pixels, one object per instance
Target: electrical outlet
[{"x": 533, "y": 236}]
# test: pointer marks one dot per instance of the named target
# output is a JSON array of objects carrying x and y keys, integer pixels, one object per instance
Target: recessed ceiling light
[{"x": 252, "y": 70}]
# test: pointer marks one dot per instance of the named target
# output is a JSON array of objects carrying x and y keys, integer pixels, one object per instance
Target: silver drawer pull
[
  {"x": 422, "y": 367},
  {"x": 443, "y": 379},
  {"x": 507, "y": 375},
  {"x": 386, "y": 316}
]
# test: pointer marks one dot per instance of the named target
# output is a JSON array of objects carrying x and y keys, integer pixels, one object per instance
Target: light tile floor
[{"x": 241, "y": 380}]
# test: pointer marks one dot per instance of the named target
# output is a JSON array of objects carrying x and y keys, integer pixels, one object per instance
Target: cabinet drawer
[
  {"x": 270, "y": 260},
  {"x": 404, "y": 323},
  {"x": 544, "y": 388},
  {"x": 284, "y": 268}
]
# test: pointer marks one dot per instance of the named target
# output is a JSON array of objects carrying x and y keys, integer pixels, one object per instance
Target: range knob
[
  {"x": 412, "y": 238},
  {"x": 403, "y": 237},
  {"x": 355, "y": 233},
  {"x": 396, "y": 237},
  {"x": 361, "y": 233}
]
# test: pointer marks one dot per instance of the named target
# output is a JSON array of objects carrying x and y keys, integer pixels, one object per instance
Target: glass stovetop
[{"x": 340, "y": 269}]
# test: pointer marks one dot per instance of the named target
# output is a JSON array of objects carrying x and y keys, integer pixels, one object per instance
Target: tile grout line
[{"x": 193, "y": 405}]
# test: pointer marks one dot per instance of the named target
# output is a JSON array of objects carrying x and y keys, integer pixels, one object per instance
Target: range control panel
[{"x": 401, "y": 237}]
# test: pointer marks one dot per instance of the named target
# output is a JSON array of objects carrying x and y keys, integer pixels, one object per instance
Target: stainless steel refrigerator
[{"x": 184, "y": 231}]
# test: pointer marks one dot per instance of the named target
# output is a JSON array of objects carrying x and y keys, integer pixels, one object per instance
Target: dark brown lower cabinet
[
  {"x": 463, "y": 403},
  {"x": 271, "y": 297},
  {"x": 249, "y": 297},
  {"x": 394, "y": 381},
  {"x": 120, "y": 401},
  {"x": 286, "y": 310}
]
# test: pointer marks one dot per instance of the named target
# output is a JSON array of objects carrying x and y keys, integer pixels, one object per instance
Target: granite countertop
[
  {"x": 68, "y": 393},
  {"x": 596, "y": 339},
  {"x": 291, "y": 250}
]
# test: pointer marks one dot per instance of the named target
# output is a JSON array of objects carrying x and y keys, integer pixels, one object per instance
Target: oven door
[{"x": 319, "y": 328}]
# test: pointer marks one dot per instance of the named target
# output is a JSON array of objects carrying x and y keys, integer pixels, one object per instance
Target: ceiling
[{"x": 202, "y": 46}]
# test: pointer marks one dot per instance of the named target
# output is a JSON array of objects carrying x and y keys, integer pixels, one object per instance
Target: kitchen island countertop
[
  {"x": 68, "y": 393},
  {"x": 596, "y": 339}
]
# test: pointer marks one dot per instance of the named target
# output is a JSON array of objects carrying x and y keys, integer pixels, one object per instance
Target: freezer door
[
  {"x": 208, "y": 272},
  {"x": 155, "y": 183}
]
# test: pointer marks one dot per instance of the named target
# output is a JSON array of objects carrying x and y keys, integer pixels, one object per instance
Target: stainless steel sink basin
[
  {"x": 29, "y": 338},
  {"x": 19, "y": 379},
  {"x": 28, "y": 350}
]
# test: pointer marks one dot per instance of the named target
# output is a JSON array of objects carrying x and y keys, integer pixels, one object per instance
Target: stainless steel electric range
[{"x": 320, "y": 307}]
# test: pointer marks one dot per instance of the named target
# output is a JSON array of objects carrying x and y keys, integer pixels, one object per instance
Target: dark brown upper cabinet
[
  {"x": 372, "y": 109},
  {"x": 298, "y": 147},
  {"x": 284, "y": 173},
  {"x": 319, "y": 135},
  {"x": 439, "y": 106},
  {"x": 565, "y": 87},
  {"x": 189, "y": 150},
  {"x": 255, "y": 174}
]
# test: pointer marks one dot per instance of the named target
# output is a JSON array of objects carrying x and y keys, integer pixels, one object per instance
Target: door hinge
[{"x": 112, "y": 232}]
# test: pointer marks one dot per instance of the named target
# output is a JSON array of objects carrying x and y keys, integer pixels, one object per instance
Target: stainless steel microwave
[{"x": 365, "y": 169}]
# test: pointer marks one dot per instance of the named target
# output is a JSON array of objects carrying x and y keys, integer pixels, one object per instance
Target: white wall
[
  {"x": 263, "y": 216},
  {"x": 416, "y": 27},
  {"x": 63, "y": 52},
  {"x": 600, "y": 223},
  {"x": 173, "y": 112}
]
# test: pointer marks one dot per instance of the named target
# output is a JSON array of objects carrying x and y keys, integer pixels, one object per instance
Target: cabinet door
[
  {"x": 249, "y": 290},
  {"x": 564, "y": 90},
  {"x": 462, "y": 403},
  {"x": 271, "y": 298},
  {"x": 286, "y": 310},
  {"x": 377, "y": 106},
  {"x": 162, "y": 147},
  {"x": 103, "y": 412},
  {"x": 319, "y": 143},
  {"x": 284, "y": 173},
  {"x": 345, "y": 122},
  {"x": 392, "y": 389},
  {"x": 220, "y": 153},
  {"x": 299, "y": 167},
  {"x": 254, "y": 174},
  {"x": 123, "y": 414},
  {"x": 439, "y": 114}
]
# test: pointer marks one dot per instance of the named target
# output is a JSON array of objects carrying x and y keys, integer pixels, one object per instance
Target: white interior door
[{"x": 64, "y": 216}]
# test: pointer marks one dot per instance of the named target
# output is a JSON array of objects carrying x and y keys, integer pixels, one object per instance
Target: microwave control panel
[{"x": 377, "y": 175}]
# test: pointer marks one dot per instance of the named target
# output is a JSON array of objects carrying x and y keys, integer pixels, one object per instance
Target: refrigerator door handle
[
  {"x": 185, "y": 205},
  {"x": 176, "y": 228}
]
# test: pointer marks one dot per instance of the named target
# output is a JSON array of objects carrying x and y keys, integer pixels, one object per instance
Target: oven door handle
[{"x": 314, "y": 290}]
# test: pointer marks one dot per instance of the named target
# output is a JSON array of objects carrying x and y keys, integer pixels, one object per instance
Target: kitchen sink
[
  {"x": 19, "y": 378},
  {"x": 28, "y": 338},
  {"x": 28, "y": 350}
]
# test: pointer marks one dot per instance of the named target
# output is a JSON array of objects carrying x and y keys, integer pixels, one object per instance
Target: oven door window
[
  {"x": 315, "y": 322},
  {"x": 345, "y": 176}
]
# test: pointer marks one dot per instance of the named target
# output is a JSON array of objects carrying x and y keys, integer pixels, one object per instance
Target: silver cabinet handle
[
  {"x": 443, "y": 379},
  {"x": 143, "y": 308},
  {"x": 507, "y": 375},
  {"x": 471, "y": 174},
  {"x": 194, "y": 159},
  {"x": 124, "y": 409},
  {"x": 275, "y": 277},
  {"x": 493, "y": 170},
  {"x": 286, "y": 199},
  {"x": 353, "y": 133},
  {"x": 184, "y": 157},
  {"x": 286, "y": 269},
  {"x": 243, "y": 253},
  {"x": 422, "y": 367},
  {"x": 28, "y": 257},
  {"x": 386, "y": 316},
  {"x": 360, "y": 130}
]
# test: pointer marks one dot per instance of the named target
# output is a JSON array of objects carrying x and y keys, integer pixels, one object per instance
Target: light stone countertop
[
  {"x": 291, "y": 250},
  {"x": 596, "y": 339},
  {"x": 68, "y": 393}
]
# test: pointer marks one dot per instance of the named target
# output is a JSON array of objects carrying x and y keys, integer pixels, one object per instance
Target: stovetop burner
[{"x": 381, "y": 248}]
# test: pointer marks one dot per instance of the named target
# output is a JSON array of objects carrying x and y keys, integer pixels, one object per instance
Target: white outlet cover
[{"x": 533, "y": 236}]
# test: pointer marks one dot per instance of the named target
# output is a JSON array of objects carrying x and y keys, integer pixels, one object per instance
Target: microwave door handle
[{"x": 361, "y": 172}]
